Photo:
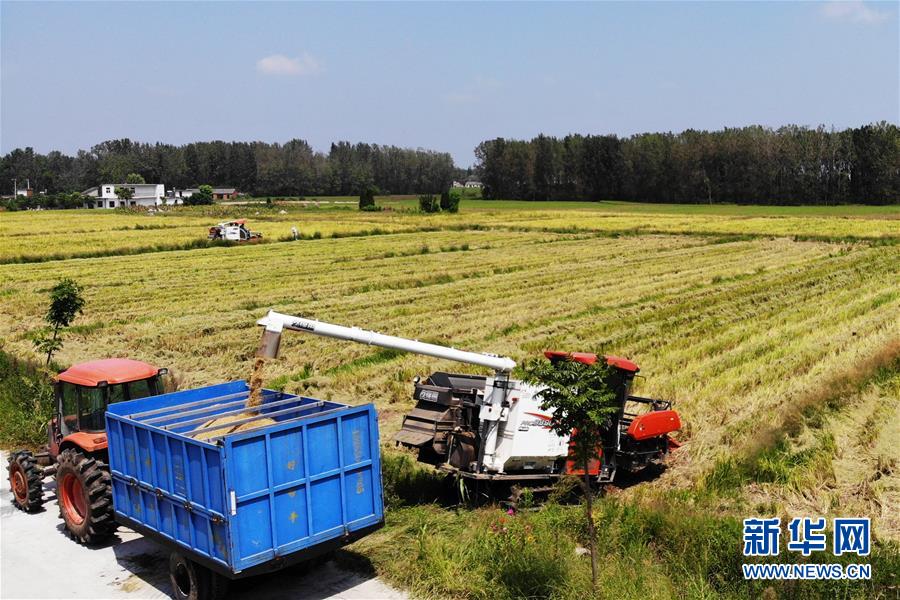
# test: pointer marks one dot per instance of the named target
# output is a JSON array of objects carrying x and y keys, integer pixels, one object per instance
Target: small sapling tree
[
  {"x": 66, "y": 302},
  {"x": 582, "y": 402}
]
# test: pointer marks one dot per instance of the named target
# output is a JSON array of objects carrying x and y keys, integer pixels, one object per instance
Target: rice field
[
  {"x": 40, "y": 235},
  {"x": 777, "y": 337}
]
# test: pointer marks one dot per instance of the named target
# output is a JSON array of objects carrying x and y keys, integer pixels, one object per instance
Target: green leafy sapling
[
  {"x": 581, "y": 402},
  {"x": 66, "y": 302}
]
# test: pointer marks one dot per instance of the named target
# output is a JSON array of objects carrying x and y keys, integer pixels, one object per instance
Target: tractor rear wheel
[
  {"x": 26, "y": 481},
  {"x": 84, "y": 493}
]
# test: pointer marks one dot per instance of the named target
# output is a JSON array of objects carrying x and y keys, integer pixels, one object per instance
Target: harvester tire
[
  {"x": 84, "y": 494},
  {"x": 191, "y": 581},
  {"x": 26, "y": 481}
]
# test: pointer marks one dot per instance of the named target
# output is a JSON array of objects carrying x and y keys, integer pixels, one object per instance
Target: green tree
[
  {"x": 66, "y": 302},
  {"x": 134, "y": 178},
  {"x": 429, "y": 203},
  {"x": 124, "y": 193},
  {"x": 367, "y": 198},
  {"x": 582, "y": 401},
  {"x": 204, "y": 195},
  {"x": 450, "y": 200}
]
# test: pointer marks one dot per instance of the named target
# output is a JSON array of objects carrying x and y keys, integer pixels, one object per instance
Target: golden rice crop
[{"x": 43, "y": 235}]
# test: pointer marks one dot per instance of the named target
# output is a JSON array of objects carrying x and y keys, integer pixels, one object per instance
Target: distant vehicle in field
[{"x": 233, "y": 231}]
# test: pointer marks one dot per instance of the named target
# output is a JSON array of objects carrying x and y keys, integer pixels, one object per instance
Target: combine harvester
[
  {"x": 233, "y": 231},
  {"x": 227, "y": 505},
  {"x": 492, "y": 429}
]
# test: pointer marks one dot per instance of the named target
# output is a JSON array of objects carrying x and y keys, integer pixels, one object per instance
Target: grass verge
[
  {"x": 26, "y": 402},
  {"x": 653, "y": 546}
]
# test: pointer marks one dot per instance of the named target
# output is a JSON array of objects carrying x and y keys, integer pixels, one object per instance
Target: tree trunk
[
  {"x": 592, "y": 536},
  {"x": 50, "y": 351}
]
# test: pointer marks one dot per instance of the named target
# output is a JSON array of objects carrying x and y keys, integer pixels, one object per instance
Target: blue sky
[{"x": 440, "y": 76}]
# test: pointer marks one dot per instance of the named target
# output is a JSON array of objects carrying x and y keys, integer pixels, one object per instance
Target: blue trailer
[{"x": 249, "y": 502}]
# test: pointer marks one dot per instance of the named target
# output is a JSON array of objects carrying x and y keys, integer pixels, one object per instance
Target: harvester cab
[
  {"x": 76, "y": 452},
  {"x": 638, "y": 433}
]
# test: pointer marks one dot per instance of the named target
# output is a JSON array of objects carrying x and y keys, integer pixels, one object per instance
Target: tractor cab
[
  {"x": 83, "y": 392},
  {"x": 76, "y": 453}
]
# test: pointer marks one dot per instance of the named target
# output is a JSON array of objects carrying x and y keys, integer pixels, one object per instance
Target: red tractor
[{"x": 76, "y": 452}]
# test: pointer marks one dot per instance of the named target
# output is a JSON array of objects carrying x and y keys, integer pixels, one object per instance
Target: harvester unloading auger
[{"x": 492, "y": 428}]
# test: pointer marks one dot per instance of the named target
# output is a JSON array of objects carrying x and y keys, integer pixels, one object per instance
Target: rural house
[
  {"x": 218, "y": 193},
  {"x": 224, "y": 193},
  {"x": 142, "y": 194}
]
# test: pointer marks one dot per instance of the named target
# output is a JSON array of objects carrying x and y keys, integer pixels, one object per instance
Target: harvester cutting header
[{"x": 493, "y": 428}]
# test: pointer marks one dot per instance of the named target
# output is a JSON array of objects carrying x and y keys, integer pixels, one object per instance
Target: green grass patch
[
  {"x": 660, "y": 547},
  {"x": 26, "y": 403}
]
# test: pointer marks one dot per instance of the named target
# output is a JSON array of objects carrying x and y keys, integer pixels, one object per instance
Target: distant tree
[
  {"x": 66, "y": 302},
  {"x": 367, "y": 198},
  {"x": 134, "y": 178},
  {"x": 124, "y": 193},
  {"x": 581, "y": 402},
  {"x": 450, "y": 200},
  {"x": 429, "y": 203},
  {"x": 203, "y": 195}
]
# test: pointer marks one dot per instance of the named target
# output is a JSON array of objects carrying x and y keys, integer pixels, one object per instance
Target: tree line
[
  {"x": 758, "y": 165},
  {"x": 753, "y": 165},
  {"x": 256, "y": 168}
]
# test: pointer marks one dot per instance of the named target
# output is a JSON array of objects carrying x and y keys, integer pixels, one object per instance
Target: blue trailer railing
[{"x": 250, "y": 500}]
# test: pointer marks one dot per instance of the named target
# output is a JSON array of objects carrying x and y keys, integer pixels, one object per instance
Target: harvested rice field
[{"x": 36, "y": 236}]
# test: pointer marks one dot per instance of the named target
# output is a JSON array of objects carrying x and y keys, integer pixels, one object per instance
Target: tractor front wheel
[
  {"x": 84, "y": 493},
  {"x": 26, "y": 481}
]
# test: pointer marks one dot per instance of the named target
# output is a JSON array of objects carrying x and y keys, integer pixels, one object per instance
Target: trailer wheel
[
  {"x": 84, "y": 493},
  {"x": 191, "y": 581},
  {"x": 218, "y": 586},
  {"x": 26, "y": 481}
]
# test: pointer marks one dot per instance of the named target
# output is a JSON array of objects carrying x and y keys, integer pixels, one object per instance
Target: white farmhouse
[
  {"x": 473, "y": 184},
  {"x": 142, "y": 194}
]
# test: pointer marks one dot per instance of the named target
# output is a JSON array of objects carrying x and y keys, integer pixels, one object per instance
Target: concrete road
[{"x": 38, "y": 560}]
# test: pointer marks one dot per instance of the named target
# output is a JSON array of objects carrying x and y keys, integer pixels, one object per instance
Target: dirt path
[{"x": 37, "y": 560}]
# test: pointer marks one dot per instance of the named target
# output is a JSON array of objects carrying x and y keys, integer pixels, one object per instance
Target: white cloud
[
  {"x": 855, "y": 11},
  {"x": 279, "y": 64}
]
